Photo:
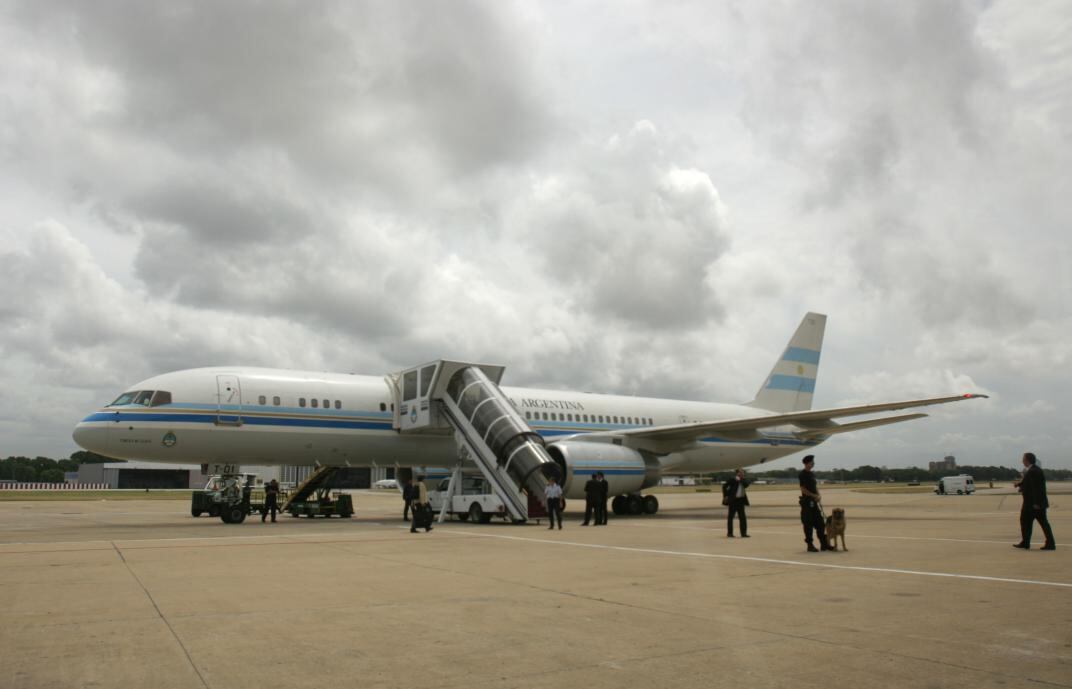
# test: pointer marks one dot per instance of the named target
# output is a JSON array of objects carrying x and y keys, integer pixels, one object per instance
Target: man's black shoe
[
  {"x": 1022, "y": 545},
  {"x": 1049, "y": 546},
  {"x": 729, "y": 535},
  {"x": 744, "y": 535},
  {"x": 812, "y": 549}
]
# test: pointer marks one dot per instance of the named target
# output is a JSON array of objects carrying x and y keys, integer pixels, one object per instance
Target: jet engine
[{"x": 626, "y": 470}]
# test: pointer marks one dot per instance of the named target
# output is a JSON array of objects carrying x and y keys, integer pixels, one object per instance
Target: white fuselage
[{"x": 272, "y": 416}]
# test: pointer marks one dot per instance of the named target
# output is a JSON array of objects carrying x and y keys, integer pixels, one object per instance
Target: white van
[{"x": 956, "y": 485}]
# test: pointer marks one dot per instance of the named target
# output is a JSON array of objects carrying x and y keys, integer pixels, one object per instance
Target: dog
[{"x": 835, "y": 526}]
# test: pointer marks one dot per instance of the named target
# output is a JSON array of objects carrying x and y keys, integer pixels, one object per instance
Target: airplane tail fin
[{"x": 791, "y": 383}]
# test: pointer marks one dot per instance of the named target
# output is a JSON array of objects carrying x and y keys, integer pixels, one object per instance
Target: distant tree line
[{"x": 44, "y": 469}]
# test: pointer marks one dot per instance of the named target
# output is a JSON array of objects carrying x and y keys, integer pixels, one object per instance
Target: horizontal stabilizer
[{"x": 856, "y": 426}]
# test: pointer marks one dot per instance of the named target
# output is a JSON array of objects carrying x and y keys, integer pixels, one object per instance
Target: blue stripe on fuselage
[{"x": 209, "y": 416}]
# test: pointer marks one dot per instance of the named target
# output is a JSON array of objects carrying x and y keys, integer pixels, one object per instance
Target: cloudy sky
[{"x": 626, "y": 197}]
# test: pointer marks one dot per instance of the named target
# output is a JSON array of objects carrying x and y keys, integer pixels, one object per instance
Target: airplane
[{"x": 422, "y": 417}]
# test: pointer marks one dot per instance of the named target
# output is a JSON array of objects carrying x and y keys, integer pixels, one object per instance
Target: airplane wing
[{"x": 813, "y": 422}]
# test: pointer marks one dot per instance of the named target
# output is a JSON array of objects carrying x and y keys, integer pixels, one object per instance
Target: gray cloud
[{"x": 597, "y": 200}]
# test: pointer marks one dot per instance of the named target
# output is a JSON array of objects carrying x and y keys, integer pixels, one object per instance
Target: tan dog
[{"x": 835, "y": 526}]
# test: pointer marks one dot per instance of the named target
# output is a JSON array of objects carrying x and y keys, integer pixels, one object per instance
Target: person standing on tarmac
[
  {"x": 593, "y": 493},
  {"x": 1033, "y": 488},
  {"x": 407, "y": 497},
  {"x": 811, "y": 513},
  {"x": 421, "y": 509},
  {"x": 738, "y": 499},
  {"x": 553, "y": 494},
  {"x": 601, "y": 502},
  {"x": 271, "y": 500}
]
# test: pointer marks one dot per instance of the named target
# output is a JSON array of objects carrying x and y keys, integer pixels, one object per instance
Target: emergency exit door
[{"x": 229, "y": 408}]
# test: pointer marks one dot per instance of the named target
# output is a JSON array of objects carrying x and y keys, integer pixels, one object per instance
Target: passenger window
[
  {"x": 301, "y": 401},
  {"x": 160, "y": 398},
  {"x": 276, "y": 401},
  {"x": 327, "y": 404},
  {"x": 630, "y": 420},
  {"x": 544, "y": 416},
  {"x": 528, "y": 415},
  {"x": 338, "y": 404},
  {"x": 383, "y": 407},
  {"x": 569, "y": 417},
  {"x": 615, "y": 419},
  {"x": 315, "y": 402},
  {"x": 554, "y": 416},
  {"x": 262, "y": 400}
]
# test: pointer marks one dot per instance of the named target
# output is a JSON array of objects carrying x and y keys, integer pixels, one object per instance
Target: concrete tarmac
[{"x": 930, "y": 594}]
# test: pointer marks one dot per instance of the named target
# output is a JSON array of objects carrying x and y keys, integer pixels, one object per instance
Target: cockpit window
[
  {"x": 143, "y": 398},
  {"x": 125, "y": 398},
  {"x": 160, "y": 397}
]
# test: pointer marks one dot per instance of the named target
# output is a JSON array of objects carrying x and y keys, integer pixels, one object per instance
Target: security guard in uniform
[{"x": 811, "y": 514}]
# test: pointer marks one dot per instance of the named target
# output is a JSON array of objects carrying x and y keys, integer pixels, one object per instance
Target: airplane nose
[{"x": 92, "y": 437}]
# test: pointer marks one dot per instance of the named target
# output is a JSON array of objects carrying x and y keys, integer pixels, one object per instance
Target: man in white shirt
[{"x": 553, "y": 494}]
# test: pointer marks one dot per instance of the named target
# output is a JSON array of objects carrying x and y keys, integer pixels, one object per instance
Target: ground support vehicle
[
  {"x": 961, "y": 485},
  {"x": 322, "y": 502},
  {"x": 474, "y": 500}
]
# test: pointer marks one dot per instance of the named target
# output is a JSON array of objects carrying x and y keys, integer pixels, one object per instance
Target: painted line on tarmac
[
  {"x": 107, "y": 542},
  {"x": 746, "y": 558},
  {"x": 718, "y": 528}
]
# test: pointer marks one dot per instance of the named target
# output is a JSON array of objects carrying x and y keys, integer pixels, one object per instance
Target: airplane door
[{"x": 229, "y": 409}]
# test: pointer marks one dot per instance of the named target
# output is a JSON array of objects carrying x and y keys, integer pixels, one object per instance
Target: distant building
[
  {"x": 949, "y": 463},
  {"x": 155, "y": 475}
]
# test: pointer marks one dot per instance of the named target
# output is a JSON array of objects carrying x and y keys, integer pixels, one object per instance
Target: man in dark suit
[
  {"x": 601, "y": 501},
  {"x": 734, "y": 491},
  {"x": 1033, "y": 488},
  {"x": 592, "y": 494}
]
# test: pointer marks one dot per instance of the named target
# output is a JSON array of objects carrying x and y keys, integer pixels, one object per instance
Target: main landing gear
[{"x": 634, "y": 504}]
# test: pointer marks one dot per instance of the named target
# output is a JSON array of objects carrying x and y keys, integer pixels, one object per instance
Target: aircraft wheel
[
  {"x": 634, "y": 505},
  {"x": 651, "y": 504},
  {"x": 617, "y": 505},
  {"x": 476, "y": 513}
]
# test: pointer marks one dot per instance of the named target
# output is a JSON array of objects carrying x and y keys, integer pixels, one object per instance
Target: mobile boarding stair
[{"x": 465, "y": 398}]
